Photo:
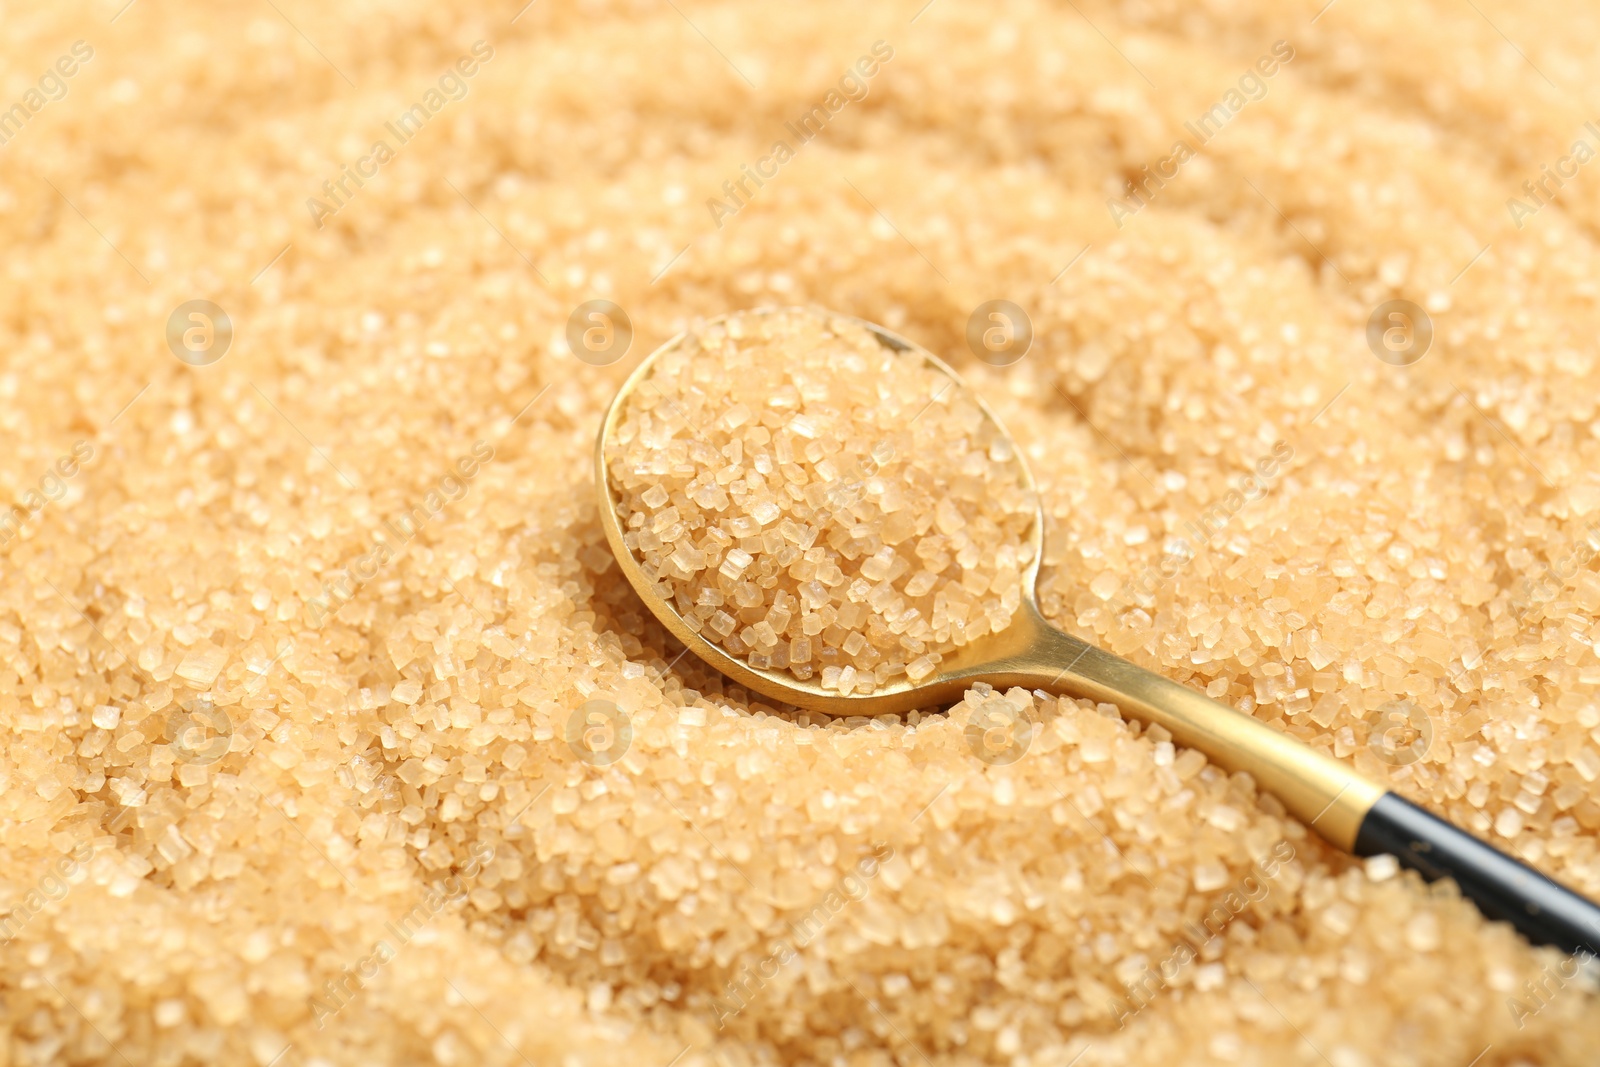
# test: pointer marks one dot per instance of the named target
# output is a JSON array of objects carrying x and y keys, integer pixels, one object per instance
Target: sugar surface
[{"x": 428, "y": 717}]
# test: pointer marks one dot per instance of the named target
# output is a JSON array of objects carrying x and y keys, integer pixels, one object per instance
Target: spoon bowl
[
  {"x": 958, "y": 670},
  {"x": 1346, "y": 809}
]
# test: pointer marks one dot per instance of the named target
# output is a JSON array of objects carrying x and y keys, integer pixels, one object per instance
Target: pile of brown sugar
[
  {"x": 317, "y": 750},
  {"x": 814, "y": 500}
]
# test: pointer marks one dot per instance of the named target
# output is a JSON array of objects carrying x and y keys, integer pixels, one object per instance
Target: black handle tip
[{"x": 1544, "y": 911}]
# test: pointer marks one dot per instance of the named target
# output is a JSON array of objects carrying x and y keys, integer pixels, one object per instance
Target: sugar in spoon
[{"x": 1342, "y": 806}]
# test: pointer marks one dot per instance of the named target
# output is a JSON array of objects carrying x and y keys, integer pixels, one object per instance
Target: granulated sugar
[
  {"x": 269, "y": 796},
  {"x": 813, "y": 500}
]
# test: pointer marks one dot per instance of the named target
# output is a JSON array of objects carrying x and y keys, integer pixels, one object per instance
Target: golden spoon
[{"x": 1345, "y": 808}]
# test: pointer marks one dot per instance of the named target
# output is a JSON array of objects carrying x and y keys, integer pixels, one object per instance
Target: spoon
[{"x": 1342, "y": 806}]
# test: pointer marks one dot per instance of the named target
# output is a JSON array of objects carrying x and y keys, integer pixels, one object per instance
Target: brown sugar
[
  {"x": 237, "y": 752},
  {"x": 813, "y": 500}
]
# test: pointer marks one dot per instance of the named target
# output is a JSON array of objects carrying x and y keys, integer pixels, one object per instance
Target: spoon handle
[
  {"x": 1345, "y": 808},
  {"x": 1546, "y": 912}
]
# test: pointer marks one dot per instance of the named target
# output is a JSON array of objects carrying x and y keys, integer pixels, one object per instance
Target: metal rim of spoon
[{"x": 1341, "y": 805}]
